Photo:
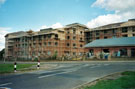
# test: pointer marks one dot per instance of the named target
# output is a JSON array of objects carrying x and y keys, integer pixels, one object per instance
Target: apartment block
[
  {"x": 115, "y": 30},
  {"x": 66, "y": 41},
  {"x": 114, "y": 40}
]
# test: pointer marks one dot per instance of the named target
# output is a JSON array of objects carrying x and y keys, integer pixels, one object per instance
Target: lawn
[
  {"x": 127, "y": 81},
  {"x": 9, "y": 68}
]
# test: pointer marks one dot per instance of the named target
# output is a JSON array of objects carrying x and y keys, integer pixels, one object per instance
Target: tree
[
  {"x": 54, "y": 56},
  {"x": 2, "y": 53}
]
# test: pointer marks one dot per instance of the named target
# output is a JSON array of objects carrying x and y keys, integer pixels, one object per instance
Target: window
[
  {"x": 74, "y": 37},
  {"x": 34, "y": 44},
  {"x": 132, "y": 52},
  {"x": 68, "y": 32},
  {"x": 74, "y": 45},
  {"x": 123, "y": 52},
  {"x": 44, "y": 36},
  {"x": 97, "y": 37},
  {"x": 40, "y": 44},
  {"x": 133, "y": 29},
  {"x": 68, "y": 44},
  {"x": 97, "y": 33},
  {"x": 74, "y": 31},
  {"x": 44, "y": 43},
  {"x": 106, "y": 50},
  {"x": 81, "y": 32},
  {"x": 39, "y": 38},
  {"x": 49, "y": 36},
  {"x": 49, "y": 52},
  {"x": 105, "y": 31},
  {"x": 34, "y": 39},
  {"x": 49, "y": 43},
  {"x": 105, "y": 37},
  {"x": 74, "y": 53},
  {"x": 56, "y": 36},
  {"x": 68, "y": 37},
  {"x": 80, "y": 54},
  {"x": 81, "y": 39},
  {"x": 124, "y": 30},
  {"x": 114, "y": 31},
  {"x": 81, "y": 45},
  {"x": 124, "y": 35},
  {"x": 56, "y": 43}
]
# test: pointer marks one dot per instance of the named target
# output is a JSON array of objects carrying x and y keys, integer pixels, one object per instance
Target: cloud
[
  {"x": 43, "y": 27},
  {"x": 56, "y": 25},
  {"x": 2, "y": 2},
  {"x": 124, "y": 10},
  {"x": 3, "y": 32}
]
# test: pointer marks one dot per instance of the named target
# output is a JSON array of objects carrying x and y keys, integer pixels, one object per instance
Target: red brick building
[
  {"x": 68, "y": 40},
  {"x": 114, "y": 47},
  {"x": 122, "y": 29}
]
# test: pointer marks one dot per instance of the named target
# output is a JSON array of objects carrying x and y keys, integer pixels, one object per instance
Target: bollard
[
  {"x": 15, "y": 65},
  {"x": 38, "y": 65}
]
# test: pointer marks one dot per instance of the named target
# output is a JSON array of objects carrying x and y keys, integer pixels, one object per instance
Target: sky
[{"x": 23, "y": 15}]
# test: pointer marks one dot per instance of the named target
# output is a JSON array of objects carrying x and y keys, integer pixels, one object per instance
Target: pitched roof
[
  {"x": 123, "y": 41},
  {"x": 108, "y": 26},
  {"x": 75, "y": 24},
  {"x": 130, "y": 22}
]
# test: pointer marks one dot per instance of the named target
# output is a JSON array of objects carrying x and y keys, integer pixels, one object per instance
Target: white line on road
[
  {"x": 95, "y": 66},
  {"x": 54, "y": 74},
  {"x": 5, "y": 84},
  {"x": 106, "y": 64},
  {"x": 92, "y": 64}
]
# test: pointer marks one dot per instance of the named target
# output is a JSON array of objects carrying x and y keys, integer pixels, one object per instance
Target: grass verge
[
  {"x": 126, "y": 81},
  {"x": 9, "y": 68}
]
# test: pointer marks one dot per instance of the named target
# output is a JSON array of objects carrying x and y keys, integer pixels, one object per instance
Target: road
[{"x": 67, "y": 76}]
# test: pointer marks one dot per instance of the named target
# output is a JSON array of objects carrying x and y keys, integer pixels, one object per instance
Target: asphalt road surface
[{"x": 67, "y": 76}]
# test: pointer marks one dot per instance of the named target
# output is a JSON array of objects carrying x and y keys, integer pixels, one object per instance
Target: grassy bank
[
  {"x": 9, "y": 68},
  {"x": 126, "y": 81}
]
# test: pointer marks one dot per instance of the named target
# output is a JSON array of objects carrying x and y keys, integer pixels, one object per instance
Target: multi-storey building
[
  {"x": 123, "y": 29},
  {"x": 116, "y": 39},
  {"x": 68, "y": 40}
]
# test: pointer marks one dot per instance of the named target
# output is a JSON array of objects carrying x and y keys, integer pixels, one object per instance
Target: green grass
[
  {"x": 127, "y": 81},
  {"x": 9, "y": 68}
]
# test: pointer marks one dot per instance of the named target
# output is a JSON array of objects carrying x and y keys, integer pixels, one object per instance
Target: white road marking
[
  {"x": 86, "y": 65},
  {"x": 54, "y": 74},
  {"x": 40, "y": 72},
  {"x": 5, "y": 84},
  {"x": 98, "y": 64},
  {"x": 95, "y": 66},
  {"x": 92, "y": 64},
  {"x": 92, "y": 67}
]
